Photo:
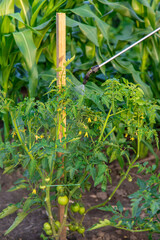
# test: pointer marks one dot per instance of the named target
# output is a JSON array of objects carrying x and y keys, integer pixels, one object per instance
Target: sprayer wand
[{"x": 97, "y": 67}]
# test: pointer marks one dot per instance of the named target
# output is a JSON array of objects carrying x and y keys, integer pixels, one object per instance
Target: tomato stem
[{"x": 49, "y": 210}]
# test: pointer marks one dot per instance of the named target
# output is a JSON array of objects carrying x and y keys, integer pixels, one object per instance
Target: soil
[{"x": 31, "y": 227}]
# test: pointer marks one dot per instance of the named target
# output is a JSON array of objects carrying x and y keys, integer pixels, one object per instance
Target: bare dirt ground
[{"x": 31, "y": 227}]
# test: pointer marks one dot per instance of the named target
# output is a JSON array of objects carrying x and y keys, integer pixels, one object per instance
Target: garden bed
[{"x": 31, "y": 227}]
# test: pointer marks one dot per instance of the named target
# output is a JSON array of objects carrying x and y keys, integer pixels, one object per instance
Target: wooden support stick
[{"x": 61, "y": 81}]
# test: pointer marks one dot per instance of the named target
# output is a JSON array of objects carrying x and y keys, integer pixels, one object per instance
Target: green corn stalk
[{"x": 7, "y": 57}]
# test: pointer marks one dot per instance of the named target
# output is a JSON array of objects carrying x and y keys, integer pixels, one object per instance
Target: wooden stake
[{"x": 61, "y": 81}]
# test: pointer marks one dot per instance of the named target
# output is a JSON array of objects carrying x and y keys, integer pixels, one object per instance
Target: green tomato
[
  {"x": 48, "y": 232},
  {"x": 81, "y": 230},
  {"x": 57, "y": 225},
  {"x": 75, "y": 207},
  {"x": 63, "y": 200},
  {"x": 82, "y": 210},
  {"x": 46, "y": 226},
  {"x": 60, "y": 188},
  {"x": 72, "y": 228}
]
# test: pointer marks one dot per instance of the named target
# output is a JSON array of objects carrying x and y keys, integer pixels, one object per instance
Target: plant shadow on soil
[{"x": 31, "y": 227}]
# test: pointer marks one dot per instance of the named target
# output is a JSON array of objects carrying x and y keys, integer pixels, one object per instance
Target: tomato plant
[{"x": 93, "y": 121}]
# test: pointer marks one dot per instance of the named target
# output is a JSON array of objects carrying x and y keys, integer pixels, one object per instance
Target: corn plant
[{"x": 21, "y": 37}]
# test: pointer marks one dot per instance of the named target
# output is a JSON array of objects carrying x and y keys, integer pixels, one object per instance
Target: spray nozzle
[
  {"x": 97, "y": 67},
  {"x": 92, "y": 70}
]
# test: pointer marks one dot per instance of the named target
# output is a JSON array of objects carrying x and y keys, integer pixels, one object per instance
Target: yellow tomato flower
[
  {"x": 47, "y": 179},
  {"x": 126, "y": 135},
  {"x": 34, "y": 191},
  {"x": 132, "y": 138},
  {"x": 86, "y": 134},
  {"x": 89, "y": 120},
  {"x": 59, "y": 109},
  {"x": 42, "y": 136},
  {"x": 13, "y": 134},
  {"x": 80, "y": 133},
  {"x": 142, "y": 117},
  {"x": 36, "y": 137},
  {"x": 42, "y": 187}
]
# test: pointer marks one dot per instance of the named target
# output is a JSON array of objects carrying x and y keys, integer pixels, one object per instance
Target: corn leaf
[
  {"x": 89, "y": 31},
  {"x": 24, "y": 6},
  {"x": 24, "y": 41},
  {"x": 123, "y": 8},
  {"x": 36, "y": 7},
  {"x": 6, "y": 7}
]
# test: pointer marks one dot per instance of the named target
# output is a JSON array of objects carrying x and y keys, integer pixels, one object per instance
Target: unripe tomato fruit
[
  {"x": 57, "y": 224},
  {"x": 63, "y": 200},
  {"x": 75, "y": 207},
  {"x": 49, "y": 232},
  {"x": 81, "y": 230},
  {"x": 82, "y": 210},
  {"x": 46, "y": 226},
  {"x": 60, "y": 189},
  {"x": 72, "y": 227}
]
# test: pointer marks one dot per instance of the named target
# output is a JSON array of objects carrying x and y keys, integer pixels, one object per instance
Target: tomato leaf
[
  {"x": 20, "y": 217},
  {"x": 8, "y": 210}
]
